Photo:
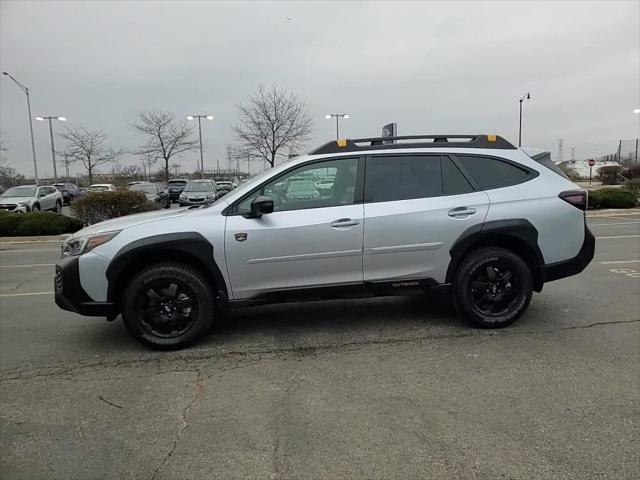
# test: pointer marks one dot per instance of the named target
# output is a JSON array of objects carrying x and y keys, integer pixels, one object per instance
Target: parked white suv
[
  {"x": 473, "y": 216},
  {"x": 31, "y": 198}
]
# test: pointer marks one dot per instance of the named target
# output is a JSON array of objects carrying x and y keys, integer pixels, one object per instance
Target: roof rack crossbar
[{"x": 388, "y": 143}]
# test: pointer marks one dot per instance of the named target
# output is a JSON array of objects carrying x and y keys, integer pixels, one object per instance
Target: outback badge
[{"x": 241, "y": 237}]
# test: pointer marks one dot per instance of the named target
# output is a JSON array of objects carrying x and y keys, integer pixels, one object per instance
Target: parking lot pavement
[{"x": 377, "y": 388}]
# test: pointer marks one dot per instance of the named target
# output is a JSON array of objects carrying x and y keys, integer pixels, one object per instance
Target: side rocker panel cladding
[
  {"x": 186, "y": 244},
  {"x": 516, "y": 230}
]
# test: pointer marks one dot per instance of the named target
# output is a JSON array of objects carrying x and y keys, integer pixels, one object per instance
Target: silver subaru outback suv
[{"x": 470, "y": 216}]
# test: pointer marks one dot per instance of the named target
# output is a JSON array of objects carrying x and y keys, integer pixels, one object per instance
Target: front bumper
[
  {"x": 70, "y": 295},
  {"x": 575, "y": 265}
]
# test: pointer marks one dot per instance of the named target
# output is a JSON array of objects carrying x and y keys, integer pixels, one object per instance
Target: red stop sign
[{"x": 592, "y": 162}]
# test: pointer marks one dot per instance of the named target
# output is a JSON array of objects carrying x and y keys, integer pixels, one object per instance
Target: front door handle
[
  {"x": 344, "y": 222},
  {"x": 461, "y": 212}
]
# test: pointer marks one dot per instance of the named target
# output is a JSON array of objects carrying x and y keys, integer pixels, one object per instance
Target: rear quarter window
[{"x": 490, "y": 173}]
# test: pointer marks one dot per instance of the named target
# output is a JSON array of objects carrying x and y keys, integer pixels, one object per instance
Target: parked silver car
[
  {"x": 198, "y": 192},
  {"x": 31, "y": 198},
  {"x": 470, "y": 216}
]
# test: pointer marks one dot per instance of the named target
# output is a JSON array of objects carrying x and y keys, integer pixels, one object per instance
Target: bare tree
[
  {"x": 166, "y": 137},
  {"x": 273, "y": 120},
  {"x": 87, "y": 147}
]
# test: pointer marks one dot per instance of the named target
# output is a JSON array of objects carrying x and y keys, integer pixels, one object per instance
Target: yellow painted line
[{"x": 25, "y": 294}]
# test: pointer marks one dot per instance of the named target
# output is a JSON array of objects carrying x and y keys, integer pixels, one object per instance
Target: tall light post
[
  {"x": 200, "y": 117},
  {"x": 337, "y": 116},
  {"x": 33, "y": 144},
  {"x": 53, "y": 149},
  {"x": 525, "y": 97}
]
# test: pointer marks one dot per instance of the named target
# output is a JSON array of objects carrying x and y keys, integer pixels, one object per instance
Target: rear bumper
[
  {"x": 69, "y": 294},
  {"x": 575, "y": 265}
]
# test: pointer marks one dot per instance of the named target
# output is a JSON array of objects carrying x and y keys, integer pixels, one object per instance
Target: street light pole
[
  {"x": 200, "y": 117},
  {"x": 337, "y": 116},
  {"x": 525, "y": 97},
  {"x": 53, "y": 149},
  {"x": 33, "y": 144}
]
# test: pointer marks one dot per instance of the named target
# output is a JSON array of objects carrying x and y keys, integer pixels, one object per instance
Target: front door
[
  {"x": 312, "y": 239},
  {"x": 416, "y": 206}
]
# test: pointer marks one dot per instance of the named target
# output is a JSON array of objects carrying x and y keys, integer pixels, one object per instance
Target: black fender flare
[
  {"x": 191, "y": 246},
  {"x": 517, "y": 232}
]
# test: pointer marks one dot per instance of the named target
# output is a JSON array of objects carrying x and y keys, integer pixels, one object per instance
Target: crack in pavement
[
  {"x": 235, "y": 357},
  {"x": 182, "y": 425}
]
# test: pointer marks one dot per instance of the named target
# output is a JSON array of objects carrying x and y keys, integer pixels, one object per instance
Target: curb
[
  {"x": 37, "y": 239},
  {"x": 613, "y": 212}
]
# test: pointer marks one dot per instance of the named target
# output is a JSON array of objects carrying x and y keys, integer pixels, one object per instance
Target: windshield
[
  {"x": 198, "y": 187},
  {"x": 20, "y": 192},
  {"x": 144, "y": 188},
  {"x": 176, "y": 183},
  {"x": 98, "y": 188}
]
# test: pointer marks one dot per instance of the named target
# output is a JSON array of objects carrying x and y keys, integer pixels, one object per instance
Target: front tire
[
  {"x": 35, "y": 208},
  {"x": 168, "y": 306},
  {"x": 58, "y": 208},
  {"x": 493, "y": 287}
]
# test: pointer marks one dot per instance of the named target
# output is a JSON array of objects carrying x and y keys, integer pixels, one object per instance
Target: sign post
[
  {"x": 591, "y": 163},
  {"x": 390, "y": 130}
]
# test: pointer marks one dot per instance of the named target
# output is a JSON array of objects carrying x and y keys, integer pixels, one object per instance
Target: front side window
[
  {"x": 317, "y": 185},
  {"x": 492, "y": 173},
  {"x": 390, "y": 178}
]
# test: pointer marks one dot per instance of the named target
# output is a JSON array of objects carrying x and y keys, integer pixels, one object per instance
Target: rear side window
[
  {"x": 453, "y": 182},
  {"x": 390, "y": 178},
  {"x": 492, "y": 173},
  {"x": 547, "y": 162}
]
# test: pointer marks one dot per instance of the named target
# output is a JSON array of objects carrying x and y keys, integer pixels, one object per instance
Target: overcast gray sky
[{"x": 432, "y": 67}]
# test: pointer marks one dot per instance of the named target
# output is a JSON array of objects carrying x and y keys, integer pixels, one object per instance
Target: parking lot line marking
[
  {"x": 613, "y": 224},
  {"x": 28, "y": 266},
  {"x": 613, "y": 262},
  {"x": 24, "y": 294},
  {"x": 31, "y": 251},
  {"x": 31, "y": 242},
  {"x": 617, "y": 236}
]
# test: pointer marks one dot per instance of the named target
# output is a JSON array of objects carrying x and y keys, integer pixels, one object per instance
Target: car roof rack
[{"x": 414, "y": 141}]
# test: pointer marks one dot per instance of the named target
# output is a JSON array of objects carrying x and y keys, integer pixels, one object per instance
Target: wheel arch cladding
[
  {"x": 187, "y": 247},
  {"x": 517, "y": 235}
]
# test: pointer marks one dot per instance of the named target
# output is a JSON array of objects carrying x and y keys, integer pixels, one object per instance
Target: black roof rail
[{"x": 433, "y": 141}]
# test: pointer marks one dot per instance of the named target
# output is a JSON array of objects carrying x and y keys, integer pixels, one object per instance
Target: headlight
[
  {"x": 182, "y": 195},
  {"x": 82, "y": 245},
  {"x": 24, "y": 203}
]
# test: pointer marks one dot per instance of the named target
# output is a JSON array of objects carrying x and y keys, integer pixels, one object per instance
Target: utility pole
[
  {"x": 560, "y": 150},
  {"x": 66, "y": 165},
  {"x": 199, "y": 117},
  {"x": 25, "y": 90},
  {"x": 337, "y": 116},
  {"x": 527, "y": 96}
]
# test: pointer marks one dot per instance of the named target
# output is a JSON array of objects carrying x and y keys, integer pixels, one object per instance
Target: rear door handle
[
  {"x": 344, "y": 222},
  {"x": 461, "y": 212}
]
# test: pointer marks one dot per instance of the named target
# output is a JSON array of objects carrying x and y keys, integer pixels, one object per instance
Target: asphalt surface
[{"x": 379, "y": 388}]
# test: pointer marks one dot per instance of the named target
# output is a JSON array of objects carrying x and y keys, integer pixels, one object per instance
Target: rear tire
[
  {"x": 492, "y": 287},
  {"x": 168, "y": 306},
  {"x": 58, "y": 208}
]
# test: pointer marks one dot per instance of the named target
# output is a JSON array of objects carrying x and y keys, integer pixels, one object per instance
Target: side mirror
[
  {"x": 261, "y": 205},
  {"x": 41, "y": 194}
]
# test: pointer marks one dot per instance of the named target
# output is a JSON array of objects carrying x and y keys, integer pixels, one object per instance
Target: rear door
[
  {"x": 306, "y": 243},
  {"x": 415, "y": 207}
]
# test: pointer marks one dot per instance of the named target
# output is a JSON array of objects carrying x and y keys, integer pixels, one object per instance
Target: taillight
[{"x": 577, "y": 198}]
